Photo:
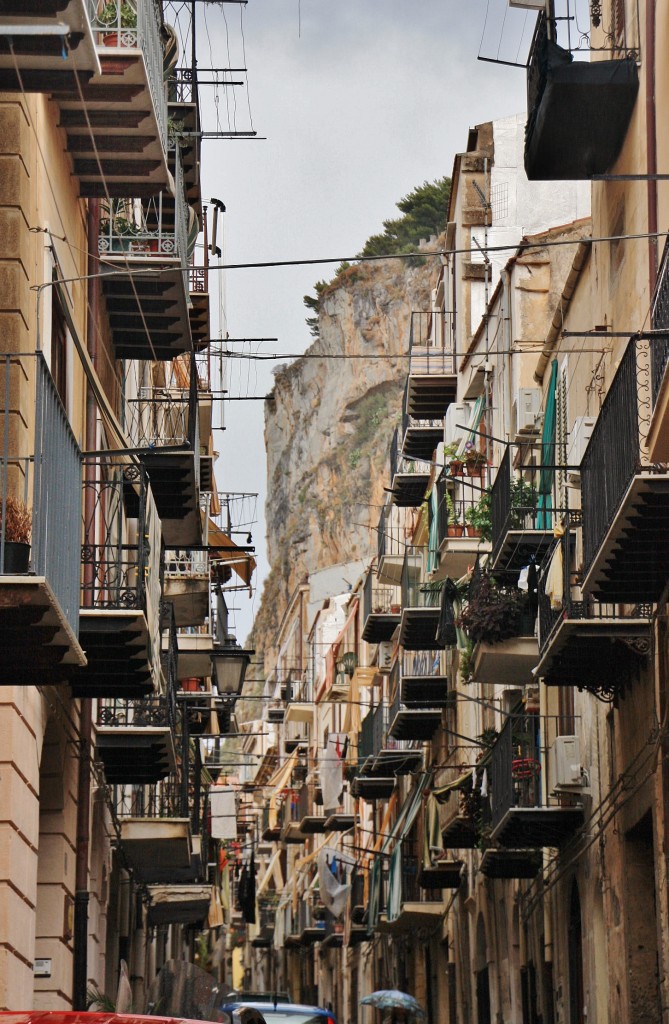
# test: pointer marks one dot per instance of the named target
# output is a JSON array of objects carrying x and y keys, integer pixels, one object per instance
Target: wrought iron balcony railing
[
  {"x": 158, "y": 416},
  {"x": 379, "y": 600},
  {"x": 118, "y": 564},
  {"x": 147, "y": 711},
  {"x": 431, "y": 343},
  {"x": 40, "y": 465},
  {"x": 416, "y": 590},
  {"x": 660, "y": 346}
]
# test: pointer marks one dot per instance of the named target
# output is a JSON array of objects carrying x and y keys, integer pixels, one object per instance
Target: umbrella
[{"x": 392, "y": 998}]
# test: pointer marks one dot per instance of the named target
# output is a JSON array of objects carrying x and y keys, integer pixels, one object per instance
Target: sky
[{"x": 355, "y": 103}]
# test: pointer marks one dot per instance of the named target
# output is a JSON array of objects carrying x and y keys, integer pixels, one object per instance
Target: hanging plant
[{"x": 493, "y": 613}]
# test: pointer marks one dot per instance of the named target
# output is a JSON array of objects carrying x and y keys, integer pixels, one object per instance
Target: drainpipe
[
  {"x": 651, "y": 144},
  {"x": 81, "y": 897}
]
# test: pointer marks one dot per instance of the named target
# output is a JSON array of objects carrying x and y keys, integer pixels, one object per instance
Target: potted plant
[
  {"x": 117, "y": 231},
  {"x": 523, "y": 502},
  {"x": 117, "y": 16},
  {"x": 474, "y": 460},
  {"x": 479, "y": 518},
  {"x": 451, "y": 458},
  {"x": 18, "y": 529},
  {"x": 493, "y": 613},
  {"x": 454, "y": 525}
]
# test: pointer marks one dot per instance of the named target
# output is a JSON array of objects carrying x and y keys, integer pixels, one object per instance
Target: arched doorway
[
  {"x": 483, "y": 1015},
  {"x": 575, "y": 952}
]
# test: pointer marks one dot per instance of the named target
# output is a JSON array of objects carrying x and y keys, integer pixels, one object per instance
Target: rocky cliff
[{"x": 328, "y": 425}]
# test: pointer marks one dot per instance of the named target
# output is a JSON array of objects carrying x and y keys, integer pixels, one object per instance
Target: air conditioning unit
[
  {"x": 581, "y": 433},
  {"x": 455, "y": 420},
  {"x": 566, "y": 771},
  {"x": 384, "y": 657},
  {"x": 527, "y": 410}
]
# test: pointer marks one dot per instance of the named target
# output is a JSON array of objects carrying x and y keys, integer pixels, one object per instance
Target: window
[{"x": 58, "y": 345}]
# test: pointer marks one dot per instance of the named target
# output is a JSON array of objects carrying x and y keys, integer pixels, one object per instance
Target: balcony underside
[
  {"x": 174, "y": 484},
  {"x": 312, "y": 824},
  {"x": 429, "y": 691},
  {"x": 37, "y": 642},
  {"x": 599, "y": 655},
  {"x": 190, "y": 146},
  {"x": 335, "y": 940},
  {"x": 199, "y": 320},
  {"x": 370, "y": 787},
  {"x": 159, "y": 849},
  {"x": 518, "y": 547},
  {"x": 195, "y": 655},
  {"x": 415, "y": 724},
  {"x": 339, "y": 822},
  {"x": 458, "y": 554},
  {"x": 420, "y": 442},
  {"x": 461, "y": 833},
  {"x": 292, "y": 833},
  {"x": 112, "y": 130},
  {"x": 117, "y": 646},
  {"x": 271, "y": 835},
  {"x": 262, "y": 942},
  {"x": 632, "y": 563},
  {"x": 391, "y": 761},
  {"x": 135, "y": 754},
  {"x": 207, "y": 473},
  {"x": 413, "y": 915},
  {"x": 418, "y": 629},
  {"x": 52, "y": 54},
  {"x": 408, "y": 489},
  {"x": 380, "y": 626},
  {"x": 430, "y": 394},
  {"x": 148, "y": 314},
  {"x": 308, "y": 936},
  {"x": 300, "y": 711},
  {"x": 536, "y": 827},
  {"x": 292, "y": 942},
  {"x": 389, "y": 569},
  {"x": 509, "y": 663},
  {"x": 446, "y": 874},
  {"x": 189, "y": 596},
  {"x": 500, "y": 863},
  {"x": 358, "y": 934},
  {"x": 580, "y": 122},
  {"x": 178, "y": 904}
]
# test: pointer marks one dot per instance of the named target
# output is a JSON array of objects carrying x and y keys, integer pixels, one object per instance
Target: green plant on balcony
[
  {"x": 474, "y": 460},
  {"x": 523, "y": 502},
  {"x": 123, "y": 17},
  {"x": 479, "y": 517},
  {"x": 493, "y": 613},
  {"x": 454, "y": 525}
]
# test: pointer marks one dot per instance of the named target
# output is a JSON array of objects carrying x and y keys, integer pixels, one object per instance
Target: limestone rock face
[{"x": 328, "y": 426}]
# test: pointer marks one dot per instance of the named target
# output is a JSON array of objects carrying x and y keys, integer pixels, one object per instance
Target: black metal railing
[
  {"x": 160, "y": 800},
  {"x": 416, "y": 591},
  {"x": 163, "y": 416},
  {"x": 431, "y": 348},
  {"x": 40, "y": 467},
  {"x": 366, "y": 737},
  {"x": 390, "y": 534},
  {"x": 521, "y": 499},
  {"x": 516, "y": 766},
  {"x": 660, "y": 320},
  {"x": 378, "y": 599},
  {"x": 158, "y": 711},
  {"x": 379, "y": 727},
  {"x": 613, "y": 455},
  {"x": 116, "y": 557},
  {"x": 169, "y": 652},
  {"x": 537, "y": 64}
]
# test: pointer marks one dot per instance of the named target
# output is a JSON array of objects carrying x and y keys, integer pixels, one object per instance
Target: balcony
[
  {"x": 121, "y": 587},
  {"x": 199, "y": 310},
  {"x": 380, "y": 610},
  {"x": 462, "y": 531},
  {"x": 309, "y": 929},
  {"x": 658, "y": 434},
  {"x": 162, "y": 422},
  {"x": 135, "y": 739},
  {"x": 156, "y": 831},
  {"x": 578, "y": 111},
  {"x": 333, "y": 932},
  {"x": 501, "y": 863},
  {"x": 391, "y": 534},
  {"x": 522, "y": 815},
  {"x": 186, "y": 586},
  {"x": 414, "y": 906},
  {"x": 148, "y": 313},
  {"x": 500, "y": 622},
  {"x": 179, "y": 904},
  {"x": 409, "y": 478},
  {"x": 421, "y": 604},
  {"x": 522, "y": 529},
  {"x": 40, "y": 465},
  {"x": 584, "y": 643},
  {"x": 295, "y": 808},
  {"x": 624, "y": 497},
  {"x": 381, "y": 757},
  {"x": 413, "y": 721},
  {"x": 183, "y": 105},
  {"x": 57, "y": 48},
  {"x": 419, "y": 436},
  {"x": 432, "y": 382},
  {"x": 116, "y": 123}
]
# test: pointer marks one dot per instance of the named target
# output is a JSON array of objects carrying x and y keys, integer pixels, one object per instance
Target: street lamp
[{"x": 230, "y": 664}]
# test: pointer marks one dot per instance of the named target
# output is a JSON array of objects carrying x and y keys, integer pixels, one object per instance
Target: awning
[
  {"x": 225, "y": 549},
  {"x": 273, "y": 871}
]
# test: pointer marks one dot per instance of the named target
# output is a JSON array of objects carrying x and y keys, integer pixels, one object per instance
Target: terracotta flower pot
[
  {"x": 455, "y": 530},
  {"x": 473, "y": 531},
  {"x": 455, "y": 467}
]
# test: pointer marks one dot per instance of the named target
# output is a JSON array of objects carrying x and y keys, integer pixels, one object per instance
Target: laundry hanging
[{"x": 331, "y": 768}]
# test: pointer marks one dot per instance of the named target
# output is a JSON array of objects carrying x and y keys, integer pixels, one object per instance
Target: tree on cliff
[{"x": 423, "y": 214}]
